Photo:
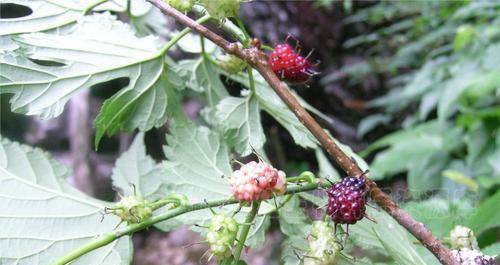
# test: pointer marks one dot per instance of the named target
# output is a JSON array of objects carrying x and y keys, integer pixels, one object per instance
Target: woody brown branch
[{"x": 256, "y": 59}]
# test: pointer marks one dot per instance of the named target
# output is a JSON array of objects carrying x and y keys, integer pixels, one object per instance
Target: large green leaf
[
  {"x": 47, "y": 14},
  {"x": 197, "y": 162},
  {"x": 198, "y": 166},
  {"x": 326, "y": 170},
  {"x": 409, "y": 145},
  {"x": 272, "y": 104},
  {"x": 386, "y": 235},
  {"x": 439, "y": 215},
  {"x": 240, "y": 121},
  {"x": 486, "y": 216},
  {"x": 201, "y": 76},
  {"x": 425, "y": 174},
  {"x": 136, "y": 171},
  {"x": 292, "y": 248},
  {"x": 43, "y": 217},
  {"x": 97, "y": 49},
  {"x": 293, "y": 221}
]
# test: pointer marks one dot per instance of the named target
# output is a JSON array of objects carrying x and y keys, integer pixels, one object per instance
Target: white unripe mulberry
[{"x": 257, "y": 181}]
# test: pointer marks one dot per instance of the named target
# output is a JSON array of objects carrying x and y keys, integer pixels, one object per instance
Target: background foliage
[{"x": 435, "y": 126}]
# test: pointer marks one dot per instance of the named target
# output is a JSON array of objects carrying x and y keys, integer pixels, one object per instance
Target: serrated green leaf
[
  {"x": 198, "y": 166},
  {"x": 326, "y": 170},
  {"x": 197, "y": 158},
  {"x": 408, "y": 145},
  {"x": 46, "y": 217},
  {"x": 257, "y": 235},
  {"x": 136, "y": 171},
  {"x": 386, "y": 236},
  {"x": 400, "y": 254},
  {"x": 47, "y": 15},
  {"x": 272, "y": 104},
  {"x": 293, "y": 221},
  {"x": 98, "y": 49},
  {"x": 239, "y": 118},
  {"x": 191, "y": 43},
  {"x": 291, "y": 250},
  {"x": 197, "y": 162},
  {"x": 202, "y": 76}
]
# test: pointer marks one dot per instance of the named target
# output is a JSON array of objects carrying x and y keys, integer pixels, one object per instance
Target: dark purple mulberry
[{"x": 347, "y": 199}]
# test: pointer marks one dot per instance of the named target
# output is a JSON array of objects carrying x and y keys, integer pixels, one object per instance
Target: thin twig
[
  {"x": 256, "y": 59},
  {"x": 131, "y": 229}
]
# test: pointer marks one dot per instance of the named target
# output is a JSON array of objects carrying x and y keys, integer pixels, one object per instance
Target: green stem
[
  {"x": 306, "y": 176},
  {"x": 266, "y": 47},
  {"x": 100, "y": 242},
  {"x": 244, "y": 30},
  {"x": 160, "y": 203},
  {"x": 181, "y": 34},
  {"x": 202, "y": 43},
  {"x": 89, "y": 8},
  {"x": 245, "y": 229},
  {"x": 251, "y": 81},
  {"x": 129, "y": 9},
  {"x": 129, "y": 230}
]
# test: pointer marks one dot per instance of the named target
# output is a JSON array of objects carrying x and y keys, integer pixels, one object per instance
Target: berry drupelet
[
  {"x": 290, "y": 66},
  {"x": 347, "y": 199}
]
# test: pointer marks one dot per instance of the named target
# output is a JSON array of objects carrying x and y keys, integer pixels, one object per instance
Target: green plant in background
[
  {"x": 444, "y": 81},
  {"x": 47, "y": 221}
]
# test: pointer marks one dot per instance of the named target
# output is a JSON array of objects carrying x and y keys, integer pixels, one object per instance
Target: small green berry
[
  {"x": 463, "y": 237},
  {"x": 232, "y": 64},
  {"x": 323, "y": 249},
  {"x": 221, "y": 9},
  {"x": 221, "y": 235},
  {"x": 132, "y": 209},
  {"x": 181, "y": 5}
]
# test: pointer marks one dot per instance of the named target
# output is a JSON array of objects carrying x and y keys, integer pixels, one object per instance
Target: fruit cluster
[
  {"x": 347, "y": 199},
  {"x": 465, "y": 248},
  {"x": 323, "y": 249},
  {"x": 181, "y": 5},
  {"x": 257, "y": 181},
  {"x": 463, "y": 237},
  {"x": 472, "y": 257},
  {"x": 221, "y": 235},
  {"x": 232, "y": 64},
  {"x": 290, "y": 66},
  {"x": 221, "y": 9},
  {"x": 132, "y": 209}
]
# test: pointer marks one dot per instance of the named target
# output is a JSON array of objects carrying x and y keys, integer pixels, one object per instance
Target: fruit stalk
[
  {"x": 256, "y": 59},
  {"x": 245, "y": 229}
]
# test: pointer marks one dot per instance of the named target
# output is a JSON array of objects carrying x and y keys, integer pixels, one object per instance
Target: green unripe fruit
[
  {"x": 462, "y": 237},
  {"x": 221, "y": 9},
  {"x": 181, "y": 5},
  {"x": 232, "y": 64},
  {"x": 132, "y": 209},
  {"x": 323, "y": 249},
  {"x": 221, "y": 235}
]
